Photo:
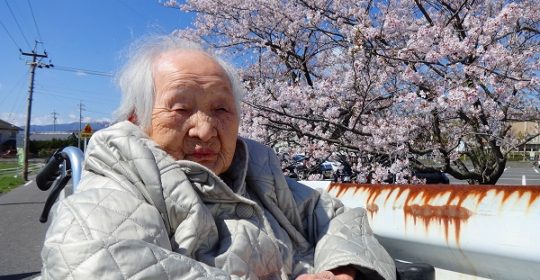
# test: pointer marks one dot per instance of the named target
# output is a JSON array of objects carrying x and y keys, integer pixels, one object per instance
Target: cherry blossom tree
[
  {"x": 463, "y": 71},
  {"x": 404, "y": 79}
]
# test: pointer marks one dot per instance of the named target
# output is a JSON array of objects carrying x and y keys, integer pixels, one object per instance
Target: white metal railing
[
  {"x": 17, "y": 170},
  {"x": 486, "y": 231}
]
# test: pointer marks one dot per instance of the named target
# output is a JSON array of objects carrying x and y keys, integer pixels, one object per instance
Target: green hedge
[{"x": 44, "y": 149}]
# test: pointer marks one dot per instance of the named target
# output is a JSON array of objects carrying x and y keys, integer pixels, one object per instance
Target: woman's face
[{"x": 194, "y": 116}]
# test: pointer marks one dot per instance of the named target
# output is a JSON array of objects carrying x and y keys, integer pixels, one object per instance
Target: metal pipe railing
[{"x": 488, "y": 231}]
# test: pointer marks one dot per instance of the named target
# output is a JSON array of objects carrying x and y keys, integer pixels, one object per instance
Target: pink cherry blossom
[{"x": 440, "y": 82}]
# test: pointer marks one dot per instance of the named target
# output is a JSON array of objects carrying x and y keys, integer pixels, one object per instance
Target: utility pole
[
  {"x": 80, "y": 123},
  {"x": 54, "y": 114},
  {"x": 35, "y": 63}
]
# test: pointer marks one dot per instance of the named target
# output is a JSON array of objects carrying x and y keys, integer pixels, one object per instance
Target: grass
[
  {"x": 8, "y": 175},
  {"x": 8, "y": 183},
  {"x": 9, "y": 164}
]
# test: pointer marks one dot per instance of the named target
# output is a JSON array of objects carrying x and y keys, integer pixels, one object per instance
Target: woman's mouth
[{"x": 202, "y": 154}]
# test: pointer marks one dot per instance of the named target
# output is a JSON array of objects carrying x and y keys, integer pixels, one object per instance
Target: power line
[
  {"x": 100, "y": 113},
  {"x": 12, "y": 90},
  {"x": 67, "y": 90},
  {"x": 82, "y": 101},
  {"x": 17, "y": 22},
  {"x": 15, "y": 107},
  {"x": 35, "y": 23},
  {"x": 45, "y": 92},
  {"x": 17, "y": 100},
  {"x": 131, "y": 8},
  {"x": 82, "y": 71},
  {"x": 9, "y": 34}
]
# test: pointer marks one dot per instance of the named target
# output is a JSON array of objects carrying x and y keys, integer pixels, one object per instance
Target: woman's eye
[
  {"x": 179, "y": 109},
  {"x": 222, "y": 109}
]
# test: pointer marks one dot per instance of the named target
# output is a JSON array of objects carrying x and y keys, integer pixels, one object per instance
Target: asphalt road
[
  {"x": 21, "y": 233},
  {"x": 516, "y": 173},
  {"x": 520, "y": 173}
]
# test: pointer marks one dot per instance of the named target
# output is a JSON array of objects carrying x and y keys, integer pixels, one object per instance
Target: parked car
[
  {"x": 327, "y": 170},
  {"x": 432, "y": 177},
  {"x": 342, "y": 172}
]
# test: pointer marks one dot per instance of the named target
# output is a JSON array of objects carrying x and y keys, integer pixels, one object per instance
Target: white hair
[{"x": 136, "y": 80}]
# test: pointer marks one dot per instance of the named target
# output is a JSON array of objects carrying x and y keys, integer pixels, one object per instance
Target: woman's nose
[{"x": 202, "y": 127}]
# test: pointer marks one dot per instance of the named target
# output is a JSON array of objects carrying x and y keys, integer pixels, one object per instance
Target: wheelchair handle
[
  {"x": 63, "y": 165},
  {"x": 48, "y": 174}
]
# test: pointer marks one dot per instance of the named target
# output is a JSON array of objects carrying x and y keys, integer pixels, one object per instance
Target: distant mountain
[{"x": 67, "y": 127}]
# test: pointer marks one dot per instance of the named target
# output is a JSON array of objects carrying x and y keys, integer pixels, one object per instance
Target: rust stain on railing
[{"x": 445, "y": 213}]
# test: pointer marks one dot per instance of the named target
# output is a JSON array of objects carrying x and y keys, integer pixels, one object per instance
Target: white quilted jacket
[{"x": 139, "y": 214}]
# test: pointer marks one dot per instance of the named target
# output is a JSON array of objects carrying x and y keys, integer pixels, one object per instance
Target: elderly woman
[{"x": 172, "y": 192}]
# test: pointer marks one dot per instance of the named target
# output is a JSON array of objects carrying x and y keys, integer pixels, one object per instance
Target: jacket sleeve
[
  {"x": 348, "y": 239},
  {"x": 109, "y": 234},
  {"x": 342, "y": 235}
]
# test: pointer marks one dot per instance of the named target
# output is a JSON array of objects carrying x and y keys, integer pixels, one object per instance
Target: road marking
[
  {"x": 523, "y": 180},
  {"x": 28, "y": 183},
  {"x": 536, "y": 170}
]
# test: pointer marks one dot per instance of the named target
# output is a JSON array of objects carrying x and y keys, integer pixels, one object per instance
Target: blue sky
[{"x": 77, "y": 34}]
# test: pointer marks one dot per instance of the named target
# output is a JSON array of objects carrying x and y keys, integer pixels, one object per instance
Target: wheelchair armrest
[{"x": 414, "y": 271}]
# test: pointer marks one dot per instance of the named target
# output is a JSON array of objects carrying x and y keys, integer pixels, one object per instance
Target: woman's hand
[{"x": 340, "y": 273}]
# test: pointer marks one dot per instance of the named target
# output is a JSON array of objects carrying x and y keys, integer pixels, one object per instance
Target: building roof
[{"x": 7, "y": 126}]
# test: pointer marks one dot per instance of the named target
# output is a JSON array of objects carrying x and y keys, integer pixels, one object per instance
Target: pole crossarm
[{"x": 33, "y": 54}]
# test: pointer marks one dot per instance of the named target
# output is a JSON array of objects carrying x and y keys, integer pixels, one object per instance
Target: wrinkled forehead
[{"x": 189, "y": 63}]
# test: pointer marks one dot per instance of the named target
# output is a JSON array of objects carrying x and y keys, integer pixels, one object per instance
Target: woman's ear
[{"x": 133, "y": 118}]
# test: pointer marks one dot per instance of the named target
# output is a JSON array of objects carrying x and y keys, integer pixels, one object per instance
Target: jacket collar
[
  {"x": 229, "y": 186},
  {"x": 235, "y": 176}
]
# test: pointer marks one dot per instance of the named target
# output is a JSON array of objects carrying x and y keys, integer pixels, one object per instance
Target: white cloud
[
  {"x": 72, "y": 118},
  {"x": 14, "y": 118},
  {"x": 20, "y": 119},
  {"x": 42, "y": 120},
  {"x": 103, "y": 119}
]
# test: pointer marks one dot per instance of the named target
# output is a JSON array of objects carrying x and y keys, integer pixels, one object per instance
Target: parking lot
[{"x": 516, "y": 173}]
